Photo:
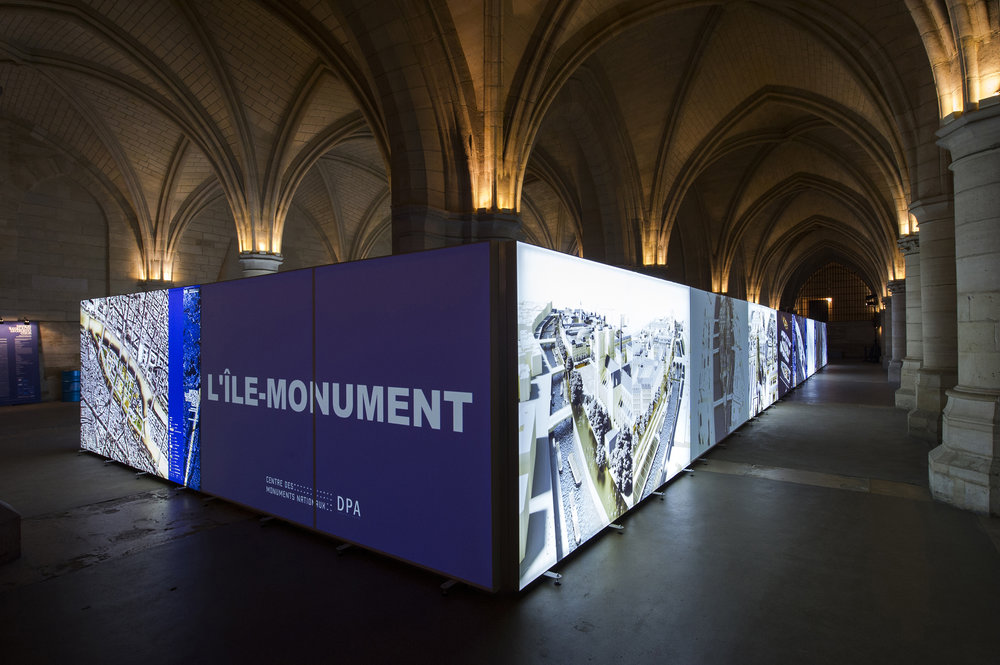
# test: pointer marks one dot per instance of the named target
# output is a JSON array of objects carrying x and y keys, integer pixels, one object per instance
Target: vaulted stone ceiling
[
  {"x": 170, "y": 106},
  {"x": 735, "y": 146},
  {"x": 734, "y": 142}
]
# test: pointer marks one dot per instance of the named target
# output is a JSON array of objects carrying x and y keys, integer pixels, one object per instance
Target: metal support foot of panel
[
  {"x": 343, "y": 547},
  {"x": 447, "y": 585},
  {"x": 617, "y": 527},
  {"x": 265, "y": 520},
  {"x": 553, "y": 575}
]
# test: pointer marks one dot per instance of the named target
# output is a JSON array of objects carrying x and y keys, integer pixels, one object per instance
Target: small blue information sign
[{"x": 19, "y": 377}]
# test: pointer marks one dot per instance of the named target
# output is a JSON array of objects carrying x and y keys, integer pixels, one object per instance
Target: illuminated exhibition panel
[
  {"x": 481, "y": 411},
  {"x": 405, "y": 469},
  {"x": 622, "y": 381},
  {"x": 139, "y": 376},
  {"x": 763, "y": 358},
  {"x": 603, "y": 395},
  {"x": 355, "y": 399},
  {"x": 256, "y": 398}
]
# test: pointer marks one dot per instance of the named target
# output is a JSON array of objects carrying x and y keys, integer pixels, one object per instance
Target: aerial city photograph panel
[
  {"x": 719, "y": 374},
  {"x": 133, "y": 349},
  {"x": 603, "y": 398},
  {"x": 763, "y": 357}
]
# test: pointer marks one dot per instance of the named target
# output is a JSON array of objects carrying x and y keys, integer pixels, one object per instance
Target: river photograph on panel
[
  {"x": 763, "y": 343},
  {"x": 126, "y": 379},
  {"x": 185, "y": 434},
  {"x": 603, "y": 397}
]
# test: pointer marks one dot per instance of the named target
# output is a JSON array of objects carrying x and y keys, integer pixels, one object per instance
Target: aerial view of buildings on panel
[
  {"x": 730, "y": 373},
  {"x": 602, "y": 398},
  {"x": 763, "y": 358},
  {"x": 124, "y": 361}
]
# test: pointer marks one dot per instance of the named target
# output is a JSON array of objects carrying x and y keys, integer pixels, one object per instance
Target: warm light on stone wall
[
  {"x": 155, "y": 269},
  {"x": 991, "y": 87}
]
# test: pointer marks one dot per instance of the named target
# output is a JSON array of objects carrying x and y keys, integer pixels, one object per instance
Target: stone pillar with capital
[
  {"x": 260, "y": 263},
  {"x": 885, "y": 325},
  {"x": 965, "y": 469},
  {"x": 914, "y": 353},
  {"x": 939, "y": 370},
  {"x": 897, "y": 287},
  {"x": 419, "y": 227}
]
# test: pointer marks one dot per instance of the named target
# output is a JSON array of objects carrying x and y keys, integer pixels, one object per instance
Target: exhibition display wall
[
  {"x": 480, "y": 411},
  {"x": 623, "y": 380}
]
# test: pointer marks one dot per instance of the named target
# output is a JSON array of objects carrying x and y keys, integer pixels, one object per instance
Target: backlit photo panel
[
  {"x": 800, "y": 363},
  {"x": 763, "y": 357},
  {"x": 820, "y": 345},
  {"x": 786, "y": 353},
  {"x": 140, "y": 381},
  {"x": 603, "y": 398},
  {"x": 730, "y": 365},
  {"x": 703, "y": 329},
  {"x": 810, "y": 347}
]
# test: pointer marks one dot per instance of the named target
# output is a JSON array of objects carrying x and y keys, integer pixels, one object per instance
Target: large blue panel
[
  {"x": 185, "y": 386},
  {"x": 403, "y": 407},
  {"x": 257, "y": 368}
]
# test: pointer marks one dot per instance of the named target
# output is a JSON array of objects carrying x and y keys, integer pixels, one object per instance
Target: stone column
[
  {"x": 260, "y": 263},
  {"x": 965, "y": 468},
  {"x": 897, "y": 287},
  {"x": 885, "y": 323},
  {"x": 914, "y": 355},
  {"x": 939, "y": 370}
]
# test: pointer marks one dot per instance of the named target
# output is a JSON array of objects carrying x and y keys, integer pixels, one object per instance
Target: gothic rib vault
[{"x": 735, "y": 146}]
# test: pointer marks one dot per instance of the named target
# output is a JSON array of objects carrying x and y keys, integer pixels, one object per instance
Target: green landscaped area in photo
[{"x": 613, "y": 504}]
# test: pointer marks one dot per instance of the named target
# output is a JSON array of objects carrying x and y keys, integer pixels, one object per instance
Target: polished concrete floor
[{"x": 808, "y": 537}]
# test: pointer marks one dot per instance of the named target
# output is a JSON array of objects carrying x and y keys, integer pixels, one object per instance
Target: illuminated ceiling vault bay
[{"x": 738, "y": 145}]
